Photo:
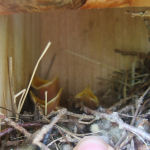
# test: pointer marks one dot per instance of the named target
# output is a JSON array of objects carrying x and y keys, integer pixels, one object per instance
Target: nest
[{"x": 124, "y": 125}]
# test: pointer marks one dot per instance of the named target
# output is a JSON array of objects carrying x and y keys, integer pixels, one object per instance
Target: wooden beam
[
  {"x": 115, "y": 3},
  {"x": 14, "y": 6},
  {"x": 141, "y": 3}
]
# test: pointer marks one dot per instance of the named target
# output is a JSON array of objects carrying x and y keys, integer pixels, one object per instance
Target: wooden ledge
[
  {"x": 15, "y": 6},
  {"x": 115, "y": 3}
]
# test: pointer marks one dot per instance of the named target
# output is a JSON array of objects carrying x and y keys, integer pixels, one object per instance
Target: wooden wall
[
  {"x": 90, "y": 36},
  {"x": 19, "y": 38},
  {"x": 83, "y": 40}
]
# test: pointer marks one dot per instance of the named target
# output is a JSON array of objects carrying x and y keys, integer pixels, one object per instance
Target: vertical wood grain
[
  {"x": 20, "y": 39},
  {"x": 93, "y": 34}
]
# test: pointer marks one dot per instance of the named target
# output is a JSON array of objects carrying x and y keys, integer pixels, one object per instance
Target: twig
[
  {"x": 132, "y": 145},
  {"x": 50, "y": 66},
  {"x": 125, "y": 87},
  {"x": 10, "y": 73},
  {"x": 20, "y": 101},
  {"x": 18, "y": 94},
  {"x": 81, "y": 116},
  {"x": 87, "y": 122},
  {"x": 142, "y": 140},
  {"x": 126, "y": 109},
  {"x": 22, "y": 115},
  {"x": 13, "y": 143},
  {"x": 133, "y": 72},
  {"x": 46, "y": 102},
  {"x": 145, "y": 104},
  {"x": 68, "y": 132},
  {"x": 15, "y": 125},
  {"x": 58, "y": 139},
  {"x": 143, "y": 14},
  {"x": 47, "y": 128},
  {"x": 130, "y": 137},
  {"x": 131, "y": 53},
  {"x": 120, "y": 140},
  {"x": 121, "y": 102},
  {"x": 63, "y": 135},
  {"x": 35, "y": 68},
  {"x": 75, "y": 135},
  {"x": 140, "y": 102},
  {"x": 55, "y": 143},
  {"x": 25, "y": 125},
  {"x": 6, "y": 109},
  {"x": 91, "y": 60},
  {"x": 114, "y": 117}
]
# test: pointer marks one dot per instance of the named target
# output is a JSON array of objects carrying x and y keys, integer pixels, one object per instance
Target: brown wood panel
[
  {"x": 20, "y": 39},
  {"x": 115, "y": 3},
  {"x": 90, "y": 36},
  {"x": 15, "y": 6}
]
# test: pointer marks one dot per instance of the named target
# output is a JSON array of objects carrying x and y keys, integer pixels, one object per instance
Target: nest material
[{"x": 124, "y": 125}]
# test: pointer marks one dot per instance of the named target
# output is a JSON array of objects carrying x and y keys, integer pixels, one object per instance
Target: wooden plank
[
  {"x": 20, "y": 40},
  {"x": 115, "y": 3},
  {"x": 106, "y": 4},
  {"x": 84, "y": 42},
  {"x": 140, "y": 3},
  {"x": 9, "y": 6},
  {"x": 15, "y": 6}
]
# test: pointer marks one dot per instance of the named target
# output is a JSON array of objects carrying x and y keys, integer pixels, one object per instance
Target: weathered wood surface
[
  {"x": 93, "y": 34},
  {"x": 115, "y": 3},
  {"x": 19, "y": 39},
  {"x": 15, "y": 6},
  {"x": 90, "y": 34}
]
